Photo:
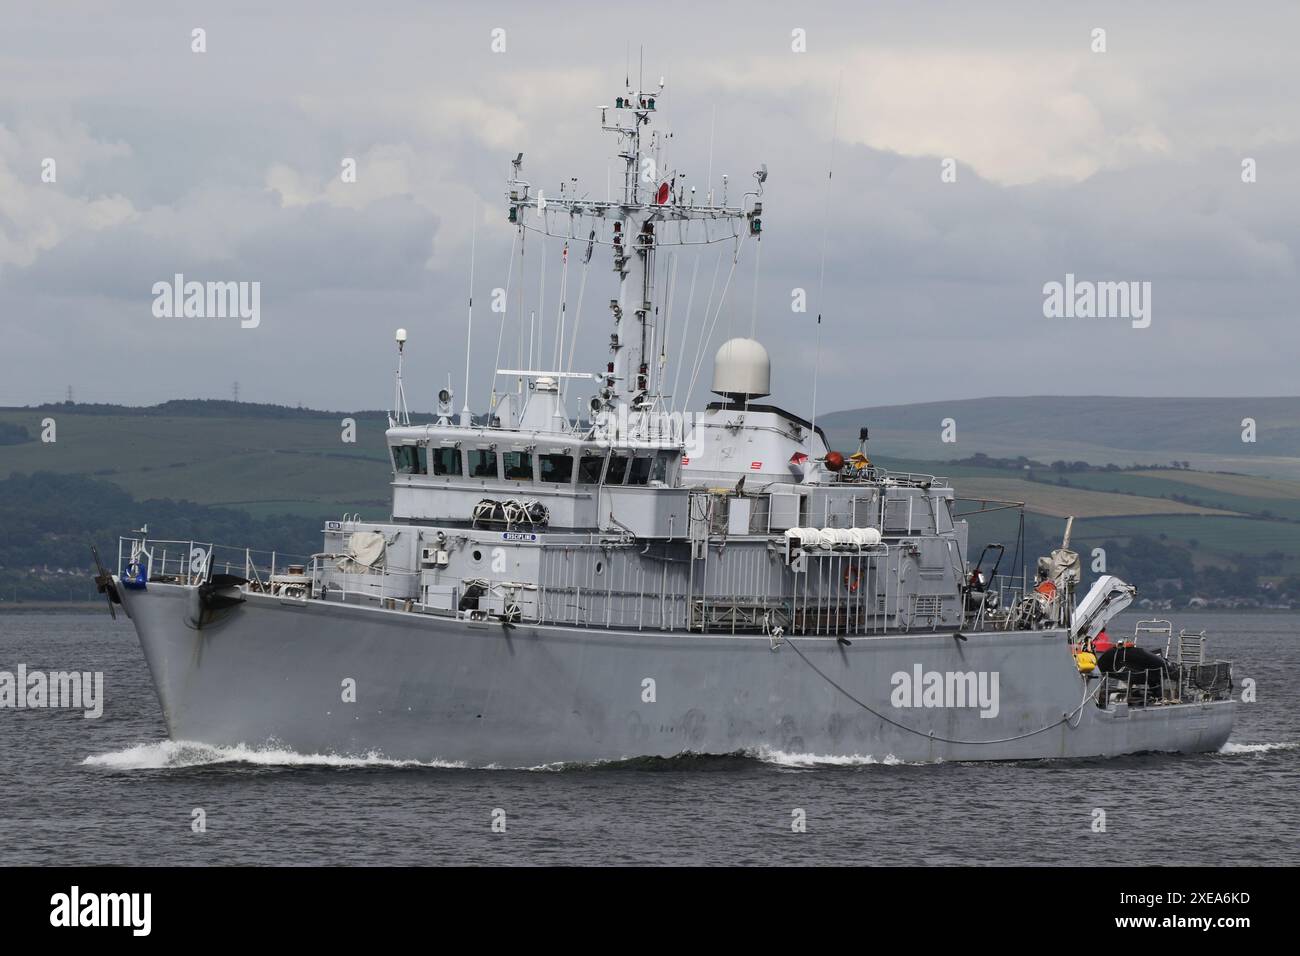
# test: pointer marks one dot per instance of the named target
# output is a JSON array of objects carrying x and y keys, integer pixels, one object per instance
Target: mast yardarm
[{"x": 654, "y": 200}]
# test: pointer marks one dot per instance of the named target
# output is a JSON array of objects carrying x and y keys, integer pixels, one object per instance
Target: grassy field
[
  {"x": 1060, "y": 502},
  {"x": 1232, "y": 515},
  {"x": 1241, "y": 494},
  {"x": 1232, "y": 535},
  {"x": 260, "y": 465},
  {"x": 1097, "y": 429},
  {"x": 1237, "y": 484}
]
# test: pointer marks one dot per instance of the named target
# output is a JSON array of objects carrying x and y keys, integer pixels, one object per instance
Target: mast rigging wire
[
  {"x": 469, "y": 322},
  {"x": 577, "y": 317},
  {"x": 559, "y": 319},
  {"x": 519, "y": 343},
  {"x": 667, "y": 326},
  {"x": 735, "y": 259},
  {"x": 821, "y": 279},
  {"x": 681, "y": 352},
  {"x": 699, "y": 339},
  {"x": 535, "y": 353},
  {"x": 501, "y": 335}
]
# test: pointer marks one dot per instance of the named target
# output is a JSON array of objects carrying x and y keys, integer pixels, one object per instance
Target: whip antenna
[
  {"x": 466, "y": 416},
  {"x": 821, "y": 279}
]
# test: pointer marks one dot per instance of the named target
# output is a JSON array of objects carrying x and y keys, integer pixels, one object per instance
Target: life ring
[{"x": 853, "y": 578}]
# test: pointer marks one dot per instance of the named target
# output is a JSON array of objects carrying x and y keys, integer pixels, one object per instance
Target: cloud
[
  {"x": 1122, "y": 166},
  {"x": 36, "y": 215}
]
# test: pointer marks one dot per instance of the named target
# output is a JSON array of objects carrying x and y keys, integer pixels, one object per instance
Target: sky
[{"x": 978, "y": 152}]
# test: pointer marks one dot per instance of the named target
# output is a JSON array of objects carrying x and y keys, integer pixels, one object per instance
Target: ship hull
[{"x": 321, "y": 677}]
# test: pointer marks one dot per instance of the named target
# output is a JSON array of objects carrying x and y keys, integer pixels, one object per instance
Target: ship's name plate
[{"x": 518, "y": 536}]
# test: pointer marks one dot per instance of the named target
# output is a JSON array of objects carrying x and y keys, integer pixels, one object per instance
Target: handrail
[
  {"x": 1173, "y": 684},
  {"x": 193, "y": 562}
]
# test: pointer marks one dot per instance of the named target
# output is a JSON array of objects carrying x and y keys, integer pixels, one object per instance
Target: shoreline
[
  {"x": 50, "y": 606},
  {"x": 43, "y": 606}
]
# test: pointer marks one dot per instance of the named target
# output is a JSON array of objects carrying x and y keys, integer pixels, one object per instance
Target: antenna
[
  {"x": 753, "y": 305},
  {"x": 466, "y": 417},
  {"x": 401, "y": 415},
  {"x": 708, "y": 181},
  {"x": 821, "y": 279},
  {"x": 501, "y": 331},
  {"x": 541, "y": 311}
]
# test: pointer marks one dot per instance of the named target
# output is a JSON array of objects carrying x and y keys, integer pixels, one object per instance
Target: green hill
[
  {"x": 262, "y": 459},
  {"x": 1207, "y": 432},
  {"x": 266, "y": 476}
]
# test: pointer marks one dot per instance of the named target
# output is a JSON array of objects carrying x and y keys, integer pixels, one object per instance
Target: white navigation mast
[{"x": 635, "y": 227}]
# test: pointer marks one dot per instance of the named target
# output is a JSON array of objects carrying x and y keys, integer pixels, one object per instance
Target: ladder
[
  {"x": 1153, "y": 628},
  {"x": 1191, "y": 647}
]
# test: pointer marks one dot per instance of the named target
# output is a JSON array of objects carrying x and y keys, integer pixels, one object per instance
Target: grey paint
[{"x": 432, "y": 688}]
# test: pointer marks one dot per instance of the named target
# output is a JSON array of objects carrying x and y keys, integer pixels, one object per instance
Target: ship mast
[{"x": 634, "y": 227}]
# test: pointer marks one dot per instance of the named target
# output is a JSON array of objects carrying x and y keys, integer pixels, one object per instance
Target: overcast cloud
[{"x": 1123, "y": 165}]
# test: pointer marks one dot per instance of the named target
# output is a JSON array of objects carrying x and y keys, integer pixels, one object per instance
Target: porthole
[
  {"x": 478, "y": 555},
  {"x": 599, "y": 567}
]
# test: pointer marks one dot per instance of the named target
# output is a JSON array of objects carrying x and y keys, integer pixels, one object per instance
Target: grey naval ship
[{"x": 630, "y": 580}]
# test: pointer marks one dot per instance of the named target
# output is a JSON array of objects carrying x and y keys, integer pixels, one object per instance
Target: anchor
[{"x": 104, "y": 583}]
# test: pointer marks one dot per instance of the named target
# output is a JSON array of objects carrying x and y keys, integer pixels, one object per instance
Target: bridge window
[
  {"x": 410, "y": 459},
  {"x": 659, "y": 469},
  {"x": 640, "y": 473},
  {"x": 589, "y": 469},
  {"x": 556, "y": 468},
  {"x": 518, "y": 465},
  {"x": 482, "y": 463},
  {"x": 446, "y": 461},
  {"x": 617, "y": 470}
]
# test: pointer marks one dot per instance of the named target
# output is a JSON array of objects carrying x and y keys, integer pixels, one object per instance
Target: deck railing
[
  {"x": 193, "y": 562},
  {"x": 1172, "y": 684},
  {"x": 595, "y": 580}
]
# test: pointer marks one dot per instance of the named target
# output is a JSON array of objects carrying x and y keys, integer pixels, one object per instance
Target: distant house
[{"x": 1155, "y": 604}]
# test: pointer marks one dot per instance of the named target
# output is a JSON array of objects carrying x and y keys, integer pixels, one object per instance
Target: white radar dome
[{"x": 742, "y": 369}]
